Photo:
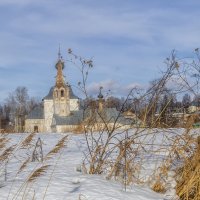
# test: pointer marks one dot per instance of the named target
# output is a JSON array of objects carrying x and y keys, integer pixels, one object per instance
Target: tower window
[{"x": 62, "y": 93}]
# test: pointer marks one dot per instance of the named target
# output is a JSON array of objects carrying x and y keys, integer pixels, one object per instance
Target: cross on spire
[{"x": 59, "y": 54}]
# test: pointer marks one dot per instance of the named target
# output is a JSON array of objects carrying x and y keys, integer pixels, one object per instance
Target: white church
[{"x": 60, "y": 110}]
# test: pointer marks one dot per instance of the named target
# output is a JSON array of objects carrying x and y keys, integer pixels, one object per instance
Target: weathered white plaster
[
  {"x": 74, "y": 104},
  {"x": 31, "y": 123},
  {"x": 48, "y": 114}
]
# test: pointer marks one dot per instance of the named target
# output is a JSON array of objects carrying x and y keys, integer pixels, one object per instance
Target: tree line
[
  {"x": 15, "y": 107},
  {"x": 18, "y": 104}
]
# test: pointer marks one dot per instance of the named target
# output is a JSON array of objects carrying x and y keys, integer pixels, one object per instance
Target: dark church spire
[
  {"x": 101, "y": 100},
  {"x": 100, "y": 96}
]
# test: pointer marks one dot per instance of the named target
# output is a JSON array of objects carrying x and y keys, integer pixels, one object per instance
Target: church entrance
[{"x": 36, "y": 129}]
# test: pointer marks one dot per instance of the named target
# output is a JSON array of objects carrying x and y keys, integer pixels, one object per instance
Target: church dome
[{"x": 100, "y": 96}]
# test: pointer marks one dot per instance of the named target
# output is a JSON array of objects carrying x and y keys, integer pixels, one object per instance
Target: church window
[{"x": 62, "y": 93}]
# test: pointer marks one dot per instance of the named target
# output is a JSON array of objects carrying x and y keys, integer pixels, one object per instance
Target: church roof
[
  {"x": 75, "y": 118},
  {"x": 50, "y": 94},
  {"x": 71, "y": 94},
  {"x": 111, "y": 115},
  {"x": 36, "y": 113}
]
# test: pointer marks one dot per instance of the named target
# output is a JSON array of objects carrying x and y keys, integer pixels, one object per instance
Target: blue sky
[{"x": 128, "y": 40}]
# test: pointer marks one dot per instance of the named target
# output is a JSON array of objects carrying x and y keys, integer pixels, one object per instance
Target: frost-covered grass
[{"x": 61, "y": 175}]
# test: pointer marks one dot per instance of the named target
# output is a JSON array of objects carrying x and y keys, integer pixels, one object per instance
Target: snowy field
[{"x": 60, "y": 176}]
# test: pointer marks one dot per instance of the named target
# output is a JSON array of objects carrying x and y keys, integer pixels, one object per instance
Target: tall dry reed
[
  {"x": 188, "y": 176},
  {"x": 60, "y": 145}
]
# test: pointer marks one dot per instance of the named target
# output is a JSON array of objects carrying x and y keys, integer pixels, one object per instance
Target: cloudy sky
[{"x": 127, "y": 39}]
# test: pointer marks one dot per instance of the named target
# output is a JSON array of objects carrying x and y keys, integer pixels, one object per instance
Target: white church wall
[
  {"x": 48, "y": 114},
  {"x": 30, "y": 125},
  {"x": 74, "y": 104}
]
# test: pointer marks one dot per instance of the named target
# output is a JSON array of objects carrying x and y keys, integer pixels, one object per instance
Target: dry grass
[
  {"x": 158, "y": 187},
  {"x": 188, "y": 177},
  {"x": 38, "y": 172},
  {"x": 23, "y": 166},
  {"x": 27, "y": 141},
  {"x": 3, "y": 142},
  {"x": 60, "y": 145},
  {"x": 79, "y": 129},
  {"x": 4, "y": 156}
]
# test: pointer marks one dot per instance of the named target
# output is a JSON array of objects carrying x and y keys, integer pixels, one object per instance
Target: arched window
[{"x": 62, "y": 94}]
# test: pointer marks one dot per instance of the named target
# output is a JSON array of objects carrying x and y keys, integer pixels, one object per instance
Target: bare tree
[
  {"x": 186, "y": 100},
  {"x": 17, "y": 106}
]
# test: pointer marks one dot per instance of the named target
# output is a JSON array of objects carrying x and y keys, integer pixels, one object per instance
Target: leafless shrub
[
  {"x": 114, "y": 147},
  {"x": 117, "y": 154}
]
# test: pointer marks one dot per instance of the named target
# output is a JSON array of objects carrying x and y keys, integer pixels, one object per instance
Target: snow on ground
[{"x": 61, "y": 180}]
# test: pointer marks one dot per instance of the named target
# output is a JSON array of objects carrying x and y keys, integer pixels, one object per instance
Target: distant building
[
  {"x": 60, "y": 110},
  {"x": 194, "y": 107}
]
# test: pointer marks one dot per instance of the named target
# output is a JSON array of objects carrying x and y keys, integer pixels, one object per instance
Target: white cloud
[
  {"x": 111, "y": 87},
  {"x": 128, "y": 39}
]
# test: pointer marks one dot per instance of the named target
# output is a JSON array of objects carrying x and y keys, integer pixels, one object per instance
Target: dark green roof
[
  {"x": 108, "y": 115},
  {"x": 113, "y": 115},
  {"x": 75, "y": 118},
  {"x": 50, "y": 94},
  {"x": 36, "y": 113}
]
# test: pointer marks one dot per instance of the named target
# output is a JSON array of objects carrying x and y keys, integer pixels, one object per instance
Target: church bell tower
[{"x": 61, "y": 90}]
